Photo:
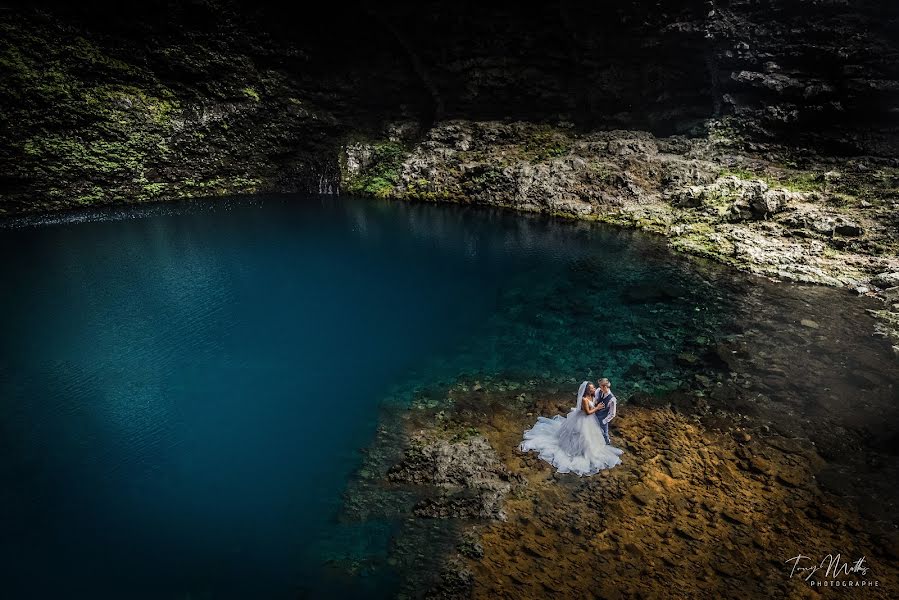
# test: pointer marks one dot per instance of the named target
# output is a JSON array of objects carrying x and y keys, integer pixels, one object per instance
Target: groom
[{"x": 606, "y": 402}]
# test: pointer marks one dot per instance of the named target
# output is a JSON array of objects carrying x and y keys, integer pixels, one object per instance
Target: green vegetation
[
  {"x": 701, "y": 243},
  {"x": 251, "y": 93},
  {"x": 105, "y": 99},
  {"x": 601, "y": 171},
  {"x": 225, "y": 185},
  {"x": 381, "y": 175},
  {"x": 792, "y": 180},
  {"x": 465, "y": 434},
  {"x": 94, "y": 195},
  {"x": 72, "y": 155},
  {"x": 88, "y": 52},
  {"x": 487, "y": 176},
  {"x": 422, "y": 189},
  {"x": 726, "y": 132},
  {"x": 545, "y": 142}
]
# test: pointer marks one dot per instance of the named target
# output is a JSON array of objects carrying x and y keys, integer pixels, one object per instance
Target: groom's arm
[{"x": 613, "y": 402}]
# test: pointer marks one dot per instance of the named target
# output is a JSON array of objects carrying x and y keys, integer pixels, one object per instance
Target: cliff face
[
  {"x": 820, "y": 74},
  {"x": 94, "y": 115},
  {"x": 104, "y": 103},
  {"x": 815, "y": 73}
]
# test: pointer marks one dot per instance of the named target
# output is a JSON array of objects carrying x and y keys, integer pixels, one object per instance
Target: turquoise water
[{"x": 184, "y": 390}]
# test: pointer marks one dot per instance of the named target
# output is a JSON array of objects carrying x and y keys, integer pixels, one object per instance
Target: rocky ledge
[
  {"x": 768, "y": 209},
  {"x": 473, "y": 482},
  {"x": 701, "y": 507}
]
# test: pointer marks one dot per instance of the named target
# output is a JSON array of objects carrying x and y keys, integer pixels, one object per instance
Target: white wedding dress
[{"x": 572, "y": 444}]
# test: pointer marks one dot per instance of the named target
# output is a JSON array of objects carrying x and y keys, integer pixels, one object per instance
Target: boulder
[
  {"x": 471, "y": 479},
  {"x": 824, "y": 223},
  {"x": 741, "y": 198},
  {"x": 886, "y": 280}
]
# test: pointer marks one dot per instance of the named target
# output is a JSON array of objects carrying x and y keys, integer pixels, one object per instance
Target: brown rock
[
  {"x": 687, "y": 532},
  {"x": 791, "y": 478},
  {"x": 829, "y": 513},
  {"x": 725, "y": 568},
  {"x": 760, "y": 465},
  {"x": 643, "y": 494},
  {"x": 734, "y": 516}
]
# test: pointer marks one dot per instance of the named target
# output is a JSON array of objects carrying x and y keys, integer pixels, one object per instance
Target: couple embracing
[{"x": 579, "y": 442}]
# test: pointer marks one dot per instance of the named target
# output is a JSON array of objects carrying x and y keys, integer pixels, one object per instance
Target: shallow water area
[{"x": 185, "y": 389}]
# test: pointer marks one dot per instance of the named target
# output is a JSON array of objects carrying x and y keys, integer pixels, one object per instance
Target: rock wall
[
  {"x": 819, "y": 73},
  {"x": 97, "y": 113},
  {"x": 104, "y": 103}
]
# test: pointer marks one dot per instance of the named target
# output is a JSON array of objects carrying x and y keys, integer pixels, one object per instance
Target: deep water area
[{"x": 186, "y": 389}]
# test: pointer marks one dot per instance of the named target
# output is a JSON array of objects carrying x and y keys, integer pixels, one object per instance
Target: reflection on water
[{"x": 184, "y": 389}]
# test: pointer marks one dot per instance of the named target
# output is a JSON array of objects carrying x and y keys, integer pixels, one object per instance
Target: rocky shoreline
[
  {"x": 705, "y": 505},
  {"x": 769, "y": 447},
  {"x": 780, "y": 212}
]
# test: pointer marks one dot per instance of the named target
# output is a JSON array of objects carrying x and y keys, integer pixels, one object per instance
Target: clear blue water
[{"x": 184, "y": 390}]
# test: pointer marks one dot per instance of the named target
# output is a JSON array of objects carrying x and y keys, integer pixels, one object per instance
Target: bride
[{"x": 573, "y": 444}]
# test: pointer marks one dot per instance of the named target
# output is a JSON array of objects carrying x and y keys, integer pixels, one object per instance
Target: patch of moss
[
  {"x": 601, "y": 171},
  {"x": 852, "y": 190},
  {"x": 155, "y": 189},
  {"x": 422, "y": 189},
  {"x": 726, "y": 131},
  {"x": 95, "y": 194},
  {"x": 700, "y": 243},
  {"x": 226, "y": 185},
  {"x": 792, "y": 180},
  {"x": 799, "y": 181},
  {"x": 105, "y": 99},
  {"x": 251, "y": 93},
  {"x": 464, "y": 434},
  {"x": 381, "y": 175},
  {"x": 545, "y": 142},
  {"x": 485, "y": 176}
]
